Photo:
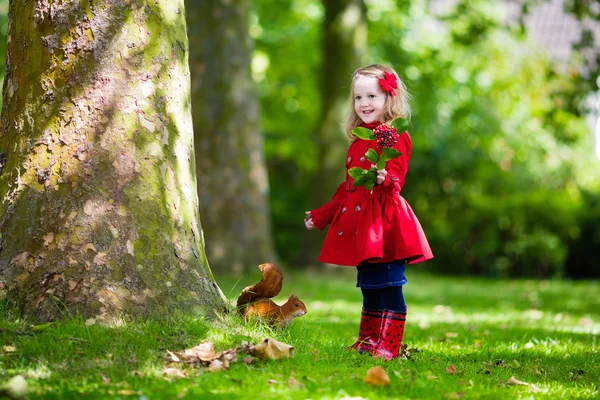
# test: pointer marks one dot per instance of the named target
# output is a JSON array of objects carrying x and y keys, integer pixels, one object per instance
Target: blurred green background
[{"x": 503, "y": 175}]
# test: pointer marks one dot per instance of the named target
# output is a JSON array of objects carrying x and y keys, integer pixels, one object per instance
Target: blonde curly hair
[{"x": 395, "y": 106}]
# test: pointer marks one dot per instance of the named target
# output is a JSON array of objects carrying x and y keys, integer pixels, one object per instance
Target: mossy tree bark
[
  {"x": 343, "y": 46},
  {"x": 99, "y": 204},
  {"x": 230, "y": 165}
]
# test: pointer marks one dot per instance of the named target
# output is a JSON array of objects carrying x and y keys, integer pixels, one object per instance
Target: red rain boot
[
  {"x": 368, "y": 332},
  {"x": 390, "y": 338}
]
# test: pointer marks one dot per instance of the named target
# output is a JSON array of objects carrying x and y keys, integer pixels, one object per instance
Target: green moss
[
  {"x": 24, "y": 221},
  {"x": 101, "y": 236},
  {"x": 116, "y": 274}
]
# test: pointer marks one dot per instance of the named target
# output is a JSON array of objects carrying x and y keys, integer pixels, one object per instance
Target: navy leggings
[{"x": 388, "y": 298}]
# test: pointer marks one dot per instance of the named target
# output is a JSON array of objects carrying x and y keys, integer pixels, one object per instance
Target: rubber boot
[
  {"x": 368, "y": 332},
  {"x": 390, "y": 337}
]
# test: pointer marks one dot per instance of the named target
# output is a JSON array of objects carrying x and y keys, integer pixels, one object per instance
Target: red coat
[{"x": 376, "y": 225}]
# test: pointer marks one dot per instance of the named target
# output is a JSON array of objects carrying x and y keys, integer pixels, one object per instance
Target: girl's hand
[
  {"x": 308, "y": 222},
  {"x": 381, "y": 174}
]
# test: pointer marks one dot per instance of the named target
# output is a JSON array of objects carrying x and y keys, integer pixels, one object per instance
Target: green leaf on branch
[
  {"x": 363, "y": 133},
  {"x": 355, "y": 172},
  {"x": 361, "y": 180},
  {"x": 381, "y": 163},
  {"x": 389, "y": 153},
  {"x": 372, "y": 156},
  {"x": 372, "y": 175},
  {"x": 369, "y": 185},
  {"x": 401, "y": 124}
]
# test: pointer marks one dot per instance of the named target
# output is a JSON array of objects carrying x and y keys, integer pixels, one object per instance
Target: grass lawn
[{"x": 543, "y": 333}]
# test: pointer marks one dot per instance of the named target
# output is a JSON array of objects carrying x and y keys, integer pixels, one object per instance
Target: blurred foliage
[
  {"x": 502, "y": 174},
  {"x": 501, "y": 148}
]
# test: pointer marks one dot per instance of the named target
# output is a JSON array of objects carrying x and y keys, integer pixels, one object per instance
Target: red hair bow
[{"x": 388, "y": 84}]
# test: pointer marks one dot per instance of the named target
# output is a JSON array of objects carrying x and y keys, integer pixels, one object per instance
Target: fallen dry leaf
[
  {"x": 177, "y": 373},
  {"x": 514, "y": 381},
  {"x": 216, "y": 365},
  {"x": 248, "y": 360},
  {"x": 16, "y": 388},
  {"x": 376, "y": 376},
  {"x": 205, "y": 355},
  {"x": 8, "y": 349},
  {"x": 204, "y": 351},
  {"x": 172, "y": 357},
  {"x": 273, "y": 350},
  {"x": 293, "y": 383},
  {"x": 451, "y": 369}
]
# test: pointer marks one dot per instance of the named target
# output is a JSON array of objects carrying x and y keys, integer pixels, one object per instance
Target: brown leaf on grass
[
  {"x": 177, "y": 373},
  {"x": 205, "y": 352},
  {"x": 293, "y": 383},
  {"x": 172, "y": 357},
  {"x": 205, "y": 355},
  {"x": 271, "y": 349},
  {"x": 216, "y": 365},
  {"x": 514, "y": 381},
  {"x": 16, "y": 388},
  {"x": 406, "y": 352},
  {"x": 376, "y": 376},
  {"x": 451, "y": 369}
]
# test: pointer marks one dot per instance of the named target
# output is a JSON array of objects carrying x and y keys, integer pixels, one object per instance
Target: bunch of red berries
[{"x": 386, "y": 136}]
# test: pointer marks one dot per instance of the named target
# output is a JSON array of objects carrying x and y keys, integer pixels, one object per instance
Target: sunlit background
[{"x": 504, "y": 174}]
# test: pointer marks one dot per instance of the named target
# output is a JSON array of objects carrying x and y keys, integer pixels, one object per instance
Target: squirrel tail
[{"x": 269, "y": 285}]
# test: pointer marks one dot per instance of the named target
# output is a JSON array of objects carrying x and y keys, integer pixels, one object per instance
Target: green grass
[{"x": 544, "y": 333}]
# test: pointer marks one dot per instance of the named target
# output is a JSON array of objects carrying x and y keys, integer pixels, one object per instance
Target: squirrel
[{"x": 255, "y": 300}]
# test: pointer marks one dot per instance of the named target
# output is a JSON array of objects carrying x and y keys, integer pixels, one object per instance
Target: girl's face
[{"x": 369, "y": 99}]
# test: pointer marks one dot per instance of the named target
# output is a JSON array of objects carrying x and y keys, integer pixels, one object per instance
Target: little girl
[{"x": 375, "y": 230}]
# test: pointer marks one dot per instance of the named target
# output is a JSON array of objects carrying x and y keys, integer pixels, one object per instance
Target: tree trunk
[
  {"x": 342, "y": 47},
  {"x": 97, "y": 174},
  {"x": 230, "y": 165}
]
